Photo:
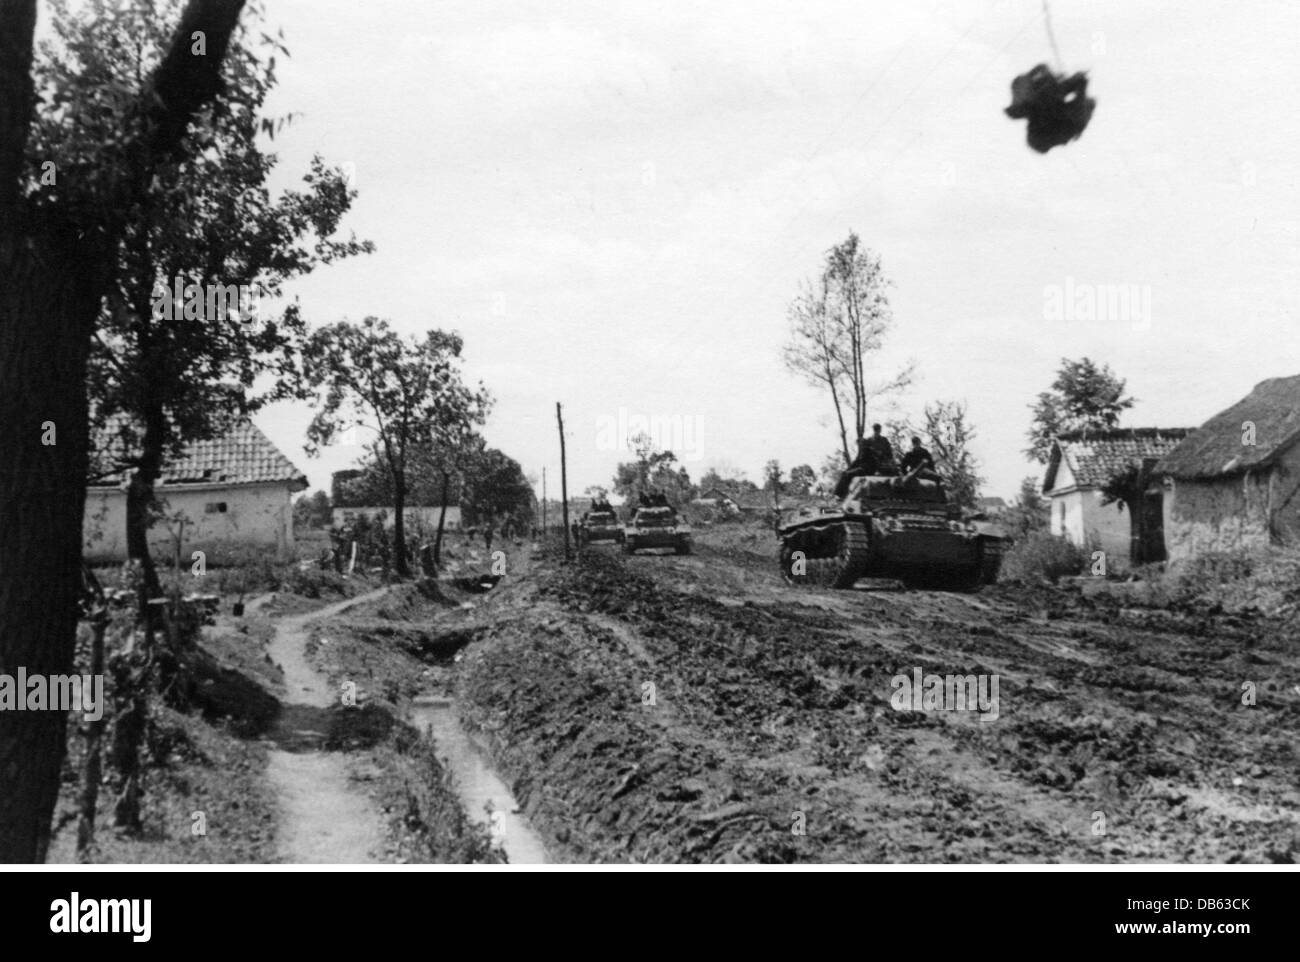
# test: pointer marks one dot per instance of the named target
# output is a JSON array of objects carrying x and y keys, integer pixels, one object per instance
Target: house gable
[{"x": 1089, "y": 459}]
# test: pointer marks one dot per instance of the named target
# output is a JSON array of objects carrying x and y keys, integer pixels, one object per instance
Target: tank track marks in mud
[{"x": 835, "y": 554}]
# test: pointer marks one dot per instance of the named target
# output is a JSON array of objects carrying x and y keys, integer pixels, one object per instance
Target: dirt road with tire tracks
[{"x": 665, "y": 708}]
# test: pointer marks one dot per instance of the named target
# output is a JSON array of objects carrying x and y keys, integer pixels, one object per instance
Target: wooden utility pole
[
  {"x": 564, "y": 481},
  {"x": 543, "y": 502}
]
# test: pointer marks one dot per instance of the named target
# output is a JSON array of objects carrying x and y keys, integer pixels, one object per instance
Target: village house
[
  {"x": 234, "y": 492},
  {"x": 1235, "y": 482},
  {"x": 1081, "y": 464}
]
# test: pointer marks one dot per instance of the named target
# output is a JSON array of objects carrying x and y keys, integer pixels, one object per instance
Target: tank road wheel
[
  {"x": 990, "y": 562},
  {"x": 838, "y": 560},
  {"x": 787, "y": 563},
  {"x": 850, "y": 560}
]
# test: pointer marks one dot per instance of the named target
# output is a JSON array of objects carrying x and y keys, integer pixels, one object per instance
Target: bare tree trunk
[
  {"x": 92, "y": 765},
  {"x": 128, "y": 731},
  {"x": 442, "y": 519},
  {"x": 130, "y": 711},
  {"x": 564, "y": 482},
  {"x": 53, "y": 280},
  {"x": 139, "y": 506},
  {"x": 839, "y": 416},
  {"x": 399, "y": 524},
  {"x": 44, "y": 325}
]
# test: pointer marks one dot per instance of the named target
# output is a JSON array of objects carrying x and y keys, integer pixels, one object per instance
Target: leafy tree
[
  {"x": 371, "y": 485},
  {"x": 802, "y": 479},
  {"x": 832, "y": 466},
  {"x": 836, "y": 323},
  {"x": 1030, "y": 513},
  {"x": 946, "y": 433},
  {"x": 772, "y": 476},
  {"x": 436, "y": 475},
  {"x": 165, "y": 371},
  {"x": 1084, "y": 396},
  {"x": 60, "y": 231},
  {"x": 496, "y": 491},
  {"x": 410, "y": 393},
  {"x": 728, "y": 478},
  {"x": 653, "y": 470},
  {"x": 184, "y": 328},
  {"x": 1128, "y": 488},
  {"x": 313, "y": 511}
]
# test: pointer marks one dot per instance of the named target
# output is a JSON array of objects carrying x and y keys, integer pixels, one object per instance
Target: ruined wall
[
  {"x": 1286, "y": 498},
  {"x": 421, "y": 518},
  {"x": 255, "y": 516},
  {"x": 1221, "y": 515}
]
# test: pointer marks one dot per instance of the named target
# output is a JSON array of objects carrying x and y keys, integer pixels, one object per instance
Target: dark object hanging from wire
[{"x": 1058, "y": 107}]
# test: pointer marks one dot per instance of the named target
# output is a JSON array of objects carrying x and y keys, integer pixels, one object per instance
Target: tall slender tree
[{"x": 836, "y": 323}]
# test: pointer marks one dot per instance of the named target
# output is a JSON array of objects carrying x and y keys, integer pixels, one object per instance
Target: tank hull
[{"x": 920, "y": 548}]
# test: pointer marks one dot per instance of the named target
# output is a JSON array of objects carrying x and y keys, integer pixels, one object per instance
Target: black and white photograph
[{"x": 554, "y": 435}]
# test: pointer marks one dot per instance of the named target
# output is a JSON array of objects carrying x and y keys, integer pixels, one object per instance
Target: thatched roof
[
  {"x": 1216, "y": 449},
  {"x": 1094, "y": 457}
]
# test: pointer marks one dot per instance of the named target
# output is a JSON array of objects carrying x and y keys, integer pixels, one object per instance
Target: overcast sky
[{"x": 614, "y": 204}]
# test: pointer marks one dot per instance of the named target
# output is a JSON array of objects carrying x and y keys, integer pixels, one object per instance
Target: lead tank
[{"x": 901, "y": 527}]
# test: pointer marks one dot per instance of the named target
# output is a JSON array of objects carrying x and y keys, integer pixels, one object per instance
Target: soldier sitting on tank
[
  {"x": 884, "y": 451},
  {"x": 863, "y": 465},
  {"x": 917, "y": 457}
]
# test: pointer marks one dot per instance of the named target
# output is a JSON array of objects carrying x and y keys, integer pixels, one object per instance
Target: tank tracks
[{"x": 838, "y": 569}]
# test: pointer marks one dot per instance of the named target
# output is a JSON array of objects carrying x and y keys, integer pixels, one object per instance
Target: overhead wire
[
  {"x": 1051, "y": 37},
  {"x": 780, "y": 235}
]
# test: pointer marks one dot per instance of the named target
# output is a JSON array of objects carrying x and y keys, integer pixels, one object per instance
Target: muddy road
[{"x": 665, "y": 708}]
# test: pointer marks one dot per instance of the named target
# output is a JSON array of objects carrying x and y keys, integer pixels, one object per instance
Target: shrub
[
  {"x": 1266, "y": 580},
  {"x": 1042, "y": 556},
  {"x": 314, "y": 582},
  {"x": 1203, "y": 573}
]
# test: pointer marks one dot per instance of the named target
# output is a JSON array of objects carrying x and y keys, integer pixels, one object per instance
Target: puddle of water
[{"x": 477, "y": 786}]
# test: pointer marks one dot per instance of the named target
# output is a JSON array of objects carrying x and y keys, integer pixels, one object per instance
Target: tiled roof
[
  {"x": 243, "y": 455},
  {"x": 1248, "y": 435},
  {"x": 1094, "y": 457}
]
